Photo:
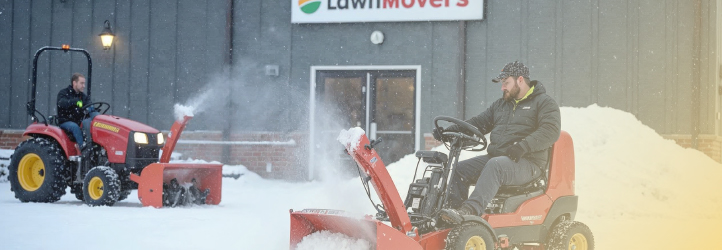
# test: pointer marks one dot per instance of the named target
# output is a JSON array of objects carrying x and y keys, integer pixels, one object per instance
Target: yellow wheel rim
[
  {"x": 578, "y": 242},
  {"x": 31, "y": 172},
  {"x": 475, "y": 243},
  {"x": 95, "y": 188}
]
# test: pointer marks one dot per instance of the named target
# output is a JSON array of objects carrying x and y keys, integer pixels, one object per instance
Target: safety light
[
  {"x": 106, "y": 37},
  {"x": 140, "y": 138},
  {"x": 160, "y": 138}
]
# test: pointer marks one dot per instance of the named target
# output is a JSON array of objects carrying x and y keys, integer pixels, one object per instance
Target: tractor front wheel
[
  {"x": 469, "y": 236},
  {"x": 571, "y": 235},
  {"x": 38, "y": 171},
  {"x": 101, "y": 187}
]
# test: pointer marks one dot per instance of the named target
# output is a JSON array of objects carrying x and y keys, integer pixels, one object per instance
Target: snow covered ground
[{"x": 636, "y": 190}]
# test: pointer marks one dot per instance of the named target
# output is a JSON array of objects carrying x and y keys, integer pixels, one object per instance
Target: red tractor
[
  {"x": 123, "y": 155},
  {"x": 536, "y": 216}
]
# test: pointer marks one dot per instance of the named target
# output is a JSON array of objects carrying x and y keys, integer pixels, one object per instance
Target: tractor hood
[{"x": 123, "y": 124}]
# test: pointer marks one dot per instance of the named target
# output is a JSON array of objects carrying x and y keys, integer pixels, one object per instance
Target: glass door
[{"x": 382, "y": 102}]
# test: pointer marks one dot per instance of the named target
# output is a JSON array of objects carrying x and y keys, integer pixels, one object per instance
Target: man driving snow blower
[
  {"x": 524, "y": 124},
  {"x": 71, "y": 101}
]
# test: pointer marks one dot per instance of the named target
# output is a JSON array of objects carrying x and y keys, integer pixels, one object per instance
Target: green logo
[{"x": 309, "y": 6}]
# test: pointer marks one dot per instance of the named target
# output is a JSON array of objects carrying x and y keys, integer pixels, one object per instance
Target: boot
[{"x": 456, "y": 216}]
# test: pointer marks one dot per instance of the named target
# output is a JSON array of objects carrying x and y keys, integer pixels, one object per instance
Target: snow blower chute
[{"x": 172, "y": 184}]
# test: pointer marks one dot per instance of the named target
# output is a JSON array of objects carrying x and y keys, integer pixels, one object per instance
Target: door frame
[{"x": 312, "y": 103}]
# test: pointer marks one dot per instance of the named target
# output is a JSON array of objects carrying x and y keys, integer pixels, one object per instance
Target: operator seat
[{"x": 509, "y": 197}]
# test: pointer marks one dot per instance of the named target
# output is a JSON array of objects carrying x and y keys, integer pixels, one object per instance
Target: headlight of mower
[
  {"x": 140, "y": 138},
  {"x": 160, "y": 138}
]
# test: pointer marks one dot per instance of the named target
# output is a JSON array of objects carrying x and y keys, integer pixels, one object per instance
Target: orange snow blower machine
[
  {"x": 123, "y": 155},
  {"x": 536, "y": 216}
]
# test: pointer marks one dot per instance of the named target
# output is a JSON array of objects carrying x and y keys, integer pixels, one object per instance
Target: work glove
[
  {"x": 79, "y": 103},
  {"x": 439, "y": 132},
  {"x": 515, "y": 152}
]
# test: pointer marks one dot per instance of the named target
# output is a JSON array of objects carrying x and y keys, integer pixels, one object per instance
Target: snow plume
[{"x": 213, "y": 93}]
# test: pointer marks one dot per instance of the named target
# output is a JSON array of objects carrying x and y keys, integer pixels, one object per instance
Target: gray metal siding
[{"x": 634, "y": 55}]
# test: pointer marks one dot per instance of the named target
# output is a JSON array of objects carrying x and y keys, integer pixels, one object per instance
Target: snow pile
[
  {"x": 350, "y": 138},
  {"x": 325, "y": 240},
  {"x": 182, "y": 111}
]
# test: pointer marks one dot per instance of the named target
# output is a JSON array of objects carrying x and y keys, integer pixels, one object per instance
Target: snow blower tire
[
  {"x": 101, "y": 187},
  {"x": 123, "y": 194},
  {"x": 571, "y": 235},
  {"x": 38, "y": 171},
  {"x": 469, "y": 235},
  {"x": 77, "y": 190}
]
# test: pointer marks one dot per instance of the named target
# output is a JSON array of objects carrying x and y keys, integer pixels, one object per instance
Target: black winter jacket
[
  {"x": 534, "y": 123},
  {"x": 68, "y": 109}
]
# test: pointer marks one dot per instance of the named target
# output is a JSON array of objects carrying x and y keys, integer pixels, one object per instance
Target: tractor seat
[
  {"x": 509, "y": 197},
  {"x": 53, "y": 120}
]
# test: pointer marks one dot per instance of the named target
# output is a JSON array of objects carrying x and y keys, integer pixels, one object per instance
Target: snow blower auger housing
[
  {"x": 536, "y": 216},
  {"x": 122, "y": 155}
]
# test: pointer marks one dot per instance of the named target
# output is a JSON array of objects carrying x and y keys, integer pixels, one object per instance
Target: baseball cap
[{"x": 515, "y": 69}]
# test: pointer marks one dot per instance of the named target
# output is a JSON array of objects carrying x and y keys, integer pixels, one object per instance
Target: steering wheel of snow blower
[
  {"x": 468, "y": 141},
  {"x": 97, "y": 107}
]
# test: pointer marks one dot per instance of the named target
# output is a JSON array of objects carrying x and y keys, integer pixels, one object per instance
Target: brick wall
[
  {"x": 430, "y": 142},
  {"x": 270, "y": 161},
  {"x": 9, "y": 139},
  {"x": 710, "y": 145}
]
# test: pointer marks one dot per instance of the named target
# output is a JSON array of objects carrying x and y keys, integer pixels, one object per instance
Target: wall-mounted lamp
[{"x": 106, "y": 37}]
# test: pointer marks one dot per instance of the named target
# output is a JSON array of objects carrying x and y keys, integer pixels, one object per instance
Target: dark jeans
[
  {"x": 74, "y": 129},
  {"x": 488, "y": 174}
]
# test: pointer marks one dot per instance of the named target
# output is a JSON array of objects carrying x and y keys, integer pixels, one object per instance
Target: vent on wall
[{"x": 272, "y": 70}]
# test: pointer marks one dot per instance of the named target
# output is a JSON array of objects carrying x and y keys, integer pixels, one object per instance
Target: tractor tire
[
  {"x": 77, "y": 190},
  {"x": 124, "y": 194},
  {"x": 38, "y": 171},
  {"x": 570, "y": 235},
  {"x": 470, "y": 236},
  {"x": 101, "y": 187}
]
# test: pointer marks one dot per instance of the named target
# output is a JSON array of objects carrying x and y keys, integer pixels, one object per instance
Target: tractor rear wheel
[
  {"x": 571, "y": 235},
  {"x": 101, "y": 187},
  {"x": 38, "y": 171},
  {"x": 469, "y": 236}
]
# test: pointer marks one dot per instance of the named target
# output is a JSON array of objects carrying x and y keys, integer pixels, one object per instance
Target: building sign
[{"x": 345, "y": 11}]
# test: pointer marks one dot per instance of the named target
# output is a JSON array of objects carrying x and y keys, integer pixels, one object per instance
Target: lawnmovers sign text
[{"x": 345, "y": 11}]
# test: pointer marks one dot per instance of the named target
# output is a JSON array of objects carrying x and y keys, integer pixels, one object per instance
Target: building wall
[
  {"x": 634, "y": 55},
  {"x": 163, "y": 51}
]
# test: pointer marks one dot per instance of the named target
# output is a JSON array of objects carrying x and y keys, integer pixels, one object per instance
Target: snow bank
[
  {"x": 325, "y": 240},
  {"x": 350, "y": 138}
]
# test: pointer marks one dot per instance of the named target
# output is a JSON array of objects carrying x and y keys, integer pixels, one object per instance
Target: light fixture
[
  {"x": 377, "y": 37},
  {"x": 106, "y": 37}
]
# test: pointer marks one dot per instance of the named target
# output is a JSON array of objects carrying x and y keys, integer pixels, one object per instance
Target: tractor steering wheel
[
  {"x": 469, "y": 141},
  {"x": 97, "y": 106}
]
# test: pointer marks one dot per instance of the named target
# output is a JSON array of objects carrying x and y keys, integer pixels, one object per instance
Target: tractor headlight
[
  {"x": 160, "y": 138},
  {"x": 140, "y": 138}
]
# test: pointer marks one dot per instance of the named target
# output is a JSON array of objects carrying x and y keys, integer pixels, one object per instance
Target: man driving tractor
[
  {"x": 524, "y": 124},
  {"x": 71, "y": 101}
]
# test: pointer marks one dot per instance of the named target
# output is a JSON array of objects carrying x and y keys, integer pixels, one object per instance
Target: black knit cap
[{"x": 514, "y": 69}]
